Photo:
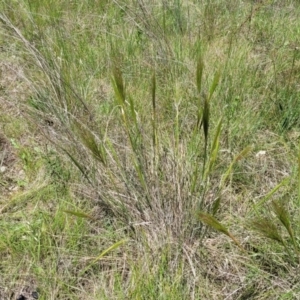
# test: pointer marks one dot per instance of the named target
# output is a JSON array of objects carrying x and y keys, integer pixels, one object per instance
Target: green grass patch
[{"x": 133, "y": 134}]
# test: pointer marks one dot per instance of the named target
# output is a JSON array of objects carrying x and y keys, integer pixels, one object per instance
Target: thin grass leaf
[
  {"x": 154, "y": 121},
  {"x": 199, "y": 119},
  {"x": 215, "y": 145},
  {"x": 199, "y": 74},
  {"x": 214, "y": 85},
  {"x": 133, "y": 111},
  {"x": 284, "y": 182},
  {"x": 205, "y": 122},
  {"x": 78, "y": 165},
  {"x": 118, "y": 85},
  {"x": 238, "y": 157},
  {"x": 243, "y": 153},
  {"x": 205, "y": 119},
  {"x": 154, "y": 92},
  {"x": 214, "y": 148},
  {"x": 78, "y": 214},
  {"x": 216, "y": 205},
  {"x": 112, "y": 247},
  {"x": 102, "y": 254},
  {"x": 140, "y": 172},
  {"x": 299, "y": 179},
  {"x": 195, "y": 177}
]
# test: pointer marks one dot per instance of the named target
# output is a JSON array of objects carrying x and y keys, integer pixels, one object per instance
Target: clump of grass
[
  {"x": 139, "y": 176},
  {"x": 138, "y": 100}
]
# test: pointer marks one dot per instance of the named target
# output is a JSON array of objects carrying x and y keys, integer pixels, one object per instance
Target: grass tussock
[{"x": 149, "y": 150}]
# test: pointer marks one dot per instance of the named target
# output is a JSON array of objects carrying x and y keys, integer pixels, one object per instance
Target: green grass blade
[
  {"x": 299, "y": 179},
  {"x": 216, "y": 205},
  {"x": 205, "y": 119},
  {"x": 78, "y": 165},
  {"x": 214, "y": 148},
  {"x": 133, "y": 111},
  {"x": 205, "y": 122},
  {"x": 78, "y": 214},
  {"x": 118, "y": 85},
  {"x": 238, "y": 157},
  {"x": 284, "y": 182},
  {"x": 199, "y": 74},
  {"x": 112, "y": 247},
  {"x": 102, "y": 254},
  {"x": 154, "y": 121},
  {"x": 214, "y": 85}
]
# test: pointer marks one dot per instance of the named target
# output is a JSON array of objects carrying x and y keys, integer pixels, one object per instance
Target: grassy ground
[{"x": 149, "y": 149}]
